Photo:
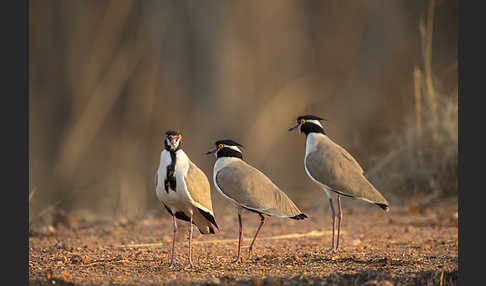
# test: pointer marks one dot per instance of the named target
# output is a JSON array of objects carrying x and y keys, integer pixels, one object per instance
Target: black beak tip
[
  {"x": 290, "y": 129},
  {"x": 207, "y": 153}
]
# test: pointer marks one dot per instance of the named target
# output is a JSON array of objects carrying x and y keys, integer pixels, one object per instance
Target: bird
[
  {"x": 248, "y": 188},
  {"x": 184, "y": 190},
  {"x": 332, "y": 168}
]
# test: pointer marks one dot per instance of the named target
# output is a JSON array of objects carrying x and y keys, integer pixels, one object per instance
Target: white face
[{"x": 173, "y": 141}]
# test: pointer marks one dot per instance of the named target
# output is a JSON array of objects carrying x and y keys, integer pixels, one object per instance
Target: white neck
[{"x": 311, "y": 141}]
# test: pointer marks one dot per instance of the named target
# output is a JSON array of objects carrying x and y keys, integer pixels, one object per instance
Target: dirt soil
[{"x": 407, "y": 246}]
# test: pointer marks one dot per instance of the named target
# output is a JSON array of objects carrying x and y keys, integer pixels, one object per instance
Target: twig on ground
[{"x": 313, "y": 233}]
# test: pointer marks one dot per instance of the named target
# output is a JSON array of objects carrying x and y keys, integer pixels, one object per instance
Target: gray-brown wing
[
  {"x": 338, "y": 170},
  {"x": 198, "y": 186},
  {"x": 251, "y": 189},
  {"x": 350, "y": 158}
]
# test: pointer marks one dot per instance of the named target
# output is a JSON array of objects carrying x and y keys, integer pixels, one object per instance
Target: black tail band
[{"x": 299, "y": 216}]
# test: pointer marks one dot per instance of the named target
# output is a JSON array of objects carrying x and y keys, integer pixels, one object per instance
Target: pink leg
[
  {"x": 333, "y": 215},
  {"x": 262, "y": 221},
  {"x": 239, "y": 237},
  {"x": 190, "y": 238},
  {"x": 173, "y": 240},
  {"x": 340, "y": 217}
]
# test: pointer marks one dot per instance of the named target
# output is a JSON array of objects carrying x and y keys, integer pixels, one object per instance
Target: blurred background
[{"x": 108, "y": 78}]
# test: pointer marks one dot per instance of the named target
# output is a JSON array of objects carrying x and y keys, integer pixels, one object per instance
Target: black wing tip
[
  {"x": 385, "y": 207},
  {"x": 299, "y": 216},
  {"x": 210, "y": 218}
]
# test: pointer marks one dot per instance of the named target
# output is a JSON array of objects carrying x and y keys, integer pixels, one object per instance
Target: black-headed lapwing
[
  {"x": 334, "y": 169},
  {"x": 248, "y": 188},
  {"x": 183, "y": 189}
]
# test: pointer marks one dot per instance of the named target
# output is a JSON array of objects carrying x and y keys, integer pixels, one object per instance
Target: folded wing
[
  {"x": 251, "y": 189},
  {"x": 335, "y": 167},
  {"x": 199, "y": 189}
]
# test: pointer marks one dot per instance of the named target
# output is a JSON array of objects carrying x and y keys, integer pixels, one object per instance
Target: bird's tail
[
  {"x": 385, "y": 207},
  {"x": 204, "y": 222},
  {"x": 299, "y": 216}
]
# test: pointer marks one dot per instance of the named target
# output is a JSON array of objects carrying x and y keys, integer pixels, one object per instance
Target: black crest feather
[
  {"x": 309, "y": 117},
  {"x": 172, "y": 133}
]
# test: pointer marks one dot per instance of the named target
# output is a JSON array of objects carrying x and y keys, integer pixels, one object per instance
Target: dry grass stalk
[
  {"x": 430, "y": 94},
  {"x": 45, "y": 211},
  {"x": 417, "y": 76},
  {"x": 430, "y": 110},
  {"x": 313, "y": 233},
  {"x": 31, "y": 195},
  {"x": 432, "y": 140}
]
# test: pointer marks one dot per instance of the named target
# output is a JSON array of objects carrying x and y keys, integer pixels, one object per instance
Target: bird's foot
[
  {"x": 334, "y": 250},
  {"x": 172, "y": 264},
  {"x": 236, "y": 260},
  {"x": 331, "y": 250}
]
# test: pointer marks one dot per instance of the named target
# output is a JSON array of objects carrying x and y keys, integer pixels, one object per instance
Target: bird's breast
[
  {"x": 171, "y": 185},
  {"x": 218, "y": 165}
]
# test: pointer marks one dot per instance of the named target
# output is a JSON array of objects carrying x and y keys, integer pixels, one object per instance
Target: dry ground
[{"x": 406, "y": 246}]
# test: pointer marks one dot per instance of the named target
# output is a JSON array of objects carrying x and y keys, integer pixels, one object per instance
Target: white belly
[{"x": 175, "y": 200}]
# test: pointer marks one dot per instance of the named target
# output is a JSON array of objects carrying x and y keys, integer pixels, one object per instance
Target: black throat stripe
[{"x": 170, "y": 180}]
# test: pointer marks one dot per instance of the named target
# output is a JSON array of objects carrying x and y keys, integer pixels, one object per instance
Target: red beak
[
  {"x": 293, "y": 127},
  {"x": 212, "y": 151},
  {"x": 173, "y": 140}
]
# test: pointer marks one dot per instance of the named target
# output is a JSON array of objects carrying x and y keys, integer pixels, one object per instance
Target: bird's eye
[
  {"x": 302, "y": 121},
  {"x": 220, "y": 146}
]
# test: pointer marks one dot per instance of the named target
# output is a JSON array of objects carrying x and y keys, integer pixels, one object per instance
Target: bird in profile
[
  {"x": 248, "y": 188},
  {"x": 184, "y": 190},
  {"x": 334, "y": 170}
]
